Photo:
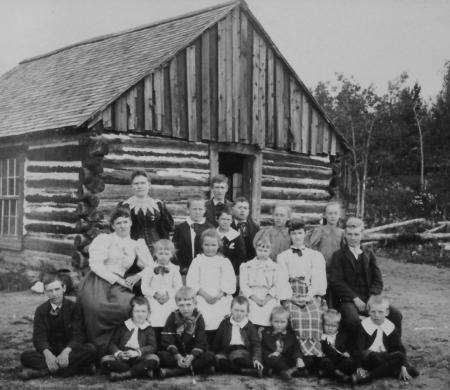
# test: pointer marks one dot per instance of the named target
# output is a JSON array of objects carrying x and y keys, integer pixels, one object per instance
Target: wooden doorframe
[{"x": 248, "y": 151}]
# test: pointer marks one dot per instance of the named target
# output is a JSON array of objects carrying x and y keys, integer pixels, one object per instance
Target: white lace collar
[
  {"x": 230, "y": 234},
  {"x": 370, "y": 327},
  {"x": 145, "y": 204},
  {"x": 131, "y": 325}
]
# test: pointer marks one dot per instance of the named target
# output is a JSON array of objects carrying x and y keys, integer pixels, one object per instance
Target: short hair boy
[
  {"x": 58, "y": 336},
  {"x": 184, "y": 345},
  {"x": 236, "y": 343},
  {"x": 336, "y": 362},
  {"x": 219, "y": 189},
  {"x": 244, "y": 224},
  {"x": 280, "y": 347},
  {"x": 379, "y": 351},
  {"x": 187, "y": 234}
]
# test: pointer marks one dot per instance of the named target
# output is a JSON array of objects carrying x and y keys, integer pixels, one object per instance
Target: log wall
[
  {"x": 300, "y": 182},
  {"x": 230, "y": 85},
  {"x": 50, "y": 195},
  {"x": 177, "y": 170}
]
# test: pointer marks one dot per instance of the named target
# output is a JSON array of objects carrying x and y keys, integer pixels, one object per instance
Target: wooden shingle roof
[{"x": 66, "y": 87}]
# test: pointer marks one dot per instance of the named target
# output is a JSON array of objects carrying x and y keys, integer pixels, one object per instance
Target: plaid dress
[{"x": 306, "y": 321}]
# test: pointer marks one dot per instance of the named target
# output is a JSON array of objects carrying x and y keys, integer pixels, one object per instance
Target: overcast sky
[{"x": 372, "y": 40}]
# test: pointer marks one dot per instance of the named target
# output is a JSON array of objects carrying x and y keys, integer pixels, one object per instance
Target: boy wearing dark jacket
[
  {"x": 237, "y": 344},
  {"x": 184, "y": 346}
]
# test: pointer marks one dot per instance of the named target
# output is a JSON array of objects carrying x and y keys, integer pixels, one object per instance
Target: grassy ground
[{"x": 422, "y": 292}]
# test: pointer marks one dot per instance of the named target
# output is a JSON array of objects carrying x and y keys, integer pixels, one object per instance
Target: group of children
[{"x": 216, "y": 299}]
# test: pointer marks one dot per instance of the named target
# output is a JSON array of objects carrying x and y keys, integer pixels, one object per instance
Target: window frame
[{"x": 11, "y": 242}]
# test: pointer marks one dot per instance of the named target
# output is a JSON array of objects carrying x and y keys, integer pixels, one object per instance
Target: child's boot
[
  {"x": 117, "y": 376},
  {"x": 168, "y": 372}
]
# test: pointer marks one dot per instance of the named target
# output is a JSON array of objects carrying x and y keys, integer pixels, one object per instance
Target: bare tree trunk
[
  {"x": 422, "y": 163},
  {"x": 355, "y": 169},
  {"x": 366, "y": 167}
]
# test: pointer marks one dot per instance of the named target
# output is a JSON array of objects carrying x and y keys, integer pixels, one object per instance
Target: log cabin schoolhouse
[{"x": 184, "y": 99}]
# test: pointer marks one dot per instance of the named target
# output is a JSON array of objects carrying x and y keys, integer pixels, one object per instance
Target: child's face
[
  {"x": 241, "y": 211},
  {"x": 330, "y": 327},
  {"x": 139, "y": 314},
  {"x": 186, "y": 307},
  {"x": 279, "y": 323},
  {"x": 263, "y": 251},
  {"x": 239, "y": 312},
  {"x": 163, "y": 254},
  {"x": 353, "y": 236},
  {"x": 298, "y": 237},
  {"x": 332, "y": 214},
  {"x": 378, "y": 313},
  {"x": 224, "y": 221},
  {"x": 219, "y": 191},
  {"x": 196, "y": 210},
  {"x": 140, "y": 186},
  {"x": 55, "y": 292},
  {"x": 280, "y": 217},
  {"x": 210, "y": 246}
]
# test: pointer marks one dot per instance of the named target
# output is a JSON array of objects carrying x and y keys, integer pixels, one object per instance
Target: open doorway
[{"x": 238, "y": 168}]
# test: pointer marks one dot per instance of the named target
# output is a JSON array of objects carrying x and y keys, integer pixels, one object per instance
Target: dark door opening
[{"x": 238, "y": 168}]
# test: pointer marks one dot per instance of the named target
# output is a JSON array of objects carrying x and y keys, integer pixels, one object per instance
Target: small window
[{"x": 11, "y": 178}]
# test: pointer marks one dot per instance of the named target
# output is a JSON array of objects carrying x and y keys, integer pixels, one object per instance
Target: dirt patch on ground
[{"x": 421, "y": 292}]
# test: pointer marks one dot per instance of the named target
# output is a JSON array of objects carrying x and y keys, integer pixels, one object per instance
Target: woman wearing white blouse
[
  {"x": 307, "y": 277},
  {"x": 105, "y": 293}
]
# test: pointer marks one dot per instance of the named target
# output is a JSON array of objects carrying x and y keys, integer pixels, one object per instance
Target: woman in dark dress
[
  {"x": 150, "y": 218},
  {"x": 105, "y": 292}
]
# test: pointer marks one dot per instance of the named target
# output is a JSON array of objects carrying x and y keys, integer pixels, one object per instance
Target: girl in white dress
[
  {"x": 263, "y": 281},
  {"x": 160, "y": 283},
  {"x": 211, "y": 275}
]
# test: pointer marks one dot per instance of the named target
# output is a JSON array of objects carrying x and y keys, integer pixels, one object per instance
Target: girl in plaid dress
[{"x": 307, "y": 277}]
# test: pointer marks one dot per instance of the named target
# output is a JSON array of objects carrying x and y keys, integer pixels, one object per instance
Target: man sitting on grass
[{"x": 58, "y": 336}]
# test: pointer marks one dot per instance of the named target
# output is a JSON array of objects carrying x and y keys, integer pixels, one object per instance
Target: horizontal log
[
  {"x": 49, "y": 228},
  {"x": 94, "y": 164},
  {"x": 118, "y": 193},
  {"x": 183, "y": 177},
  {"x": 80, "y": 241},
  {"x": 94, "y": 184},
  {"x": 279, "y": 193},
  {"x": 58, "y": 216},
  {"x": 57, "y": 153},
  {"x": 312, "y": 168},
  {"x": 274, "y": 158},
  {"x": 296, "y": 206},
  {"x": 403, "y": 236},
  {"x": 46, "y": 245},
  {"x": 157, "y": 153},
  {"x": 152, "y": 142},
  {"x": 395, "y": 225},
  {"x": 267, "y": 220},
  {"x": 289, "y": 182},
  {"x": 51, "y": 169},
  {"x": 59, "y": 199},
  {"x": 144, "y": 162},
  {"x": 52, "y": 183},
  {"x": 295, "y": 172}
]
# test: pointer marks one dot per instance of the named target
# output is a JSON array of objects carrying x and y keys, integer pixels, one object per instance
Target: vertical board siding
[{"x": 229, "y": 85}]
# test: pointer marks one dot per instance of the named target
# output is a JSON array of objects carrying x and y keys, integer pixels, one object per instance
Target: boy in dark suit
[
  {"x": 336, "y": 362},
  {"x": 280, "y": 347},
  {"x": 379, "y": 351},
  {"x": 186, "y": 237},
  {"x": 219, "y": 189},
  {"x": 244, "y": 224},
  {"x": 354, "y": 277},
  {"x": 58, "y": 336},
  {"x": 184, "y": 346},
  {"x": 236, "y": 343}
]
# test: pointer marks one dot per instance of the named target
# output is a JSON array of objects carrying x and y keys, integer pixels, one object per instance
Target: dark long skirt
[{"x": 105, "y": 306}]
